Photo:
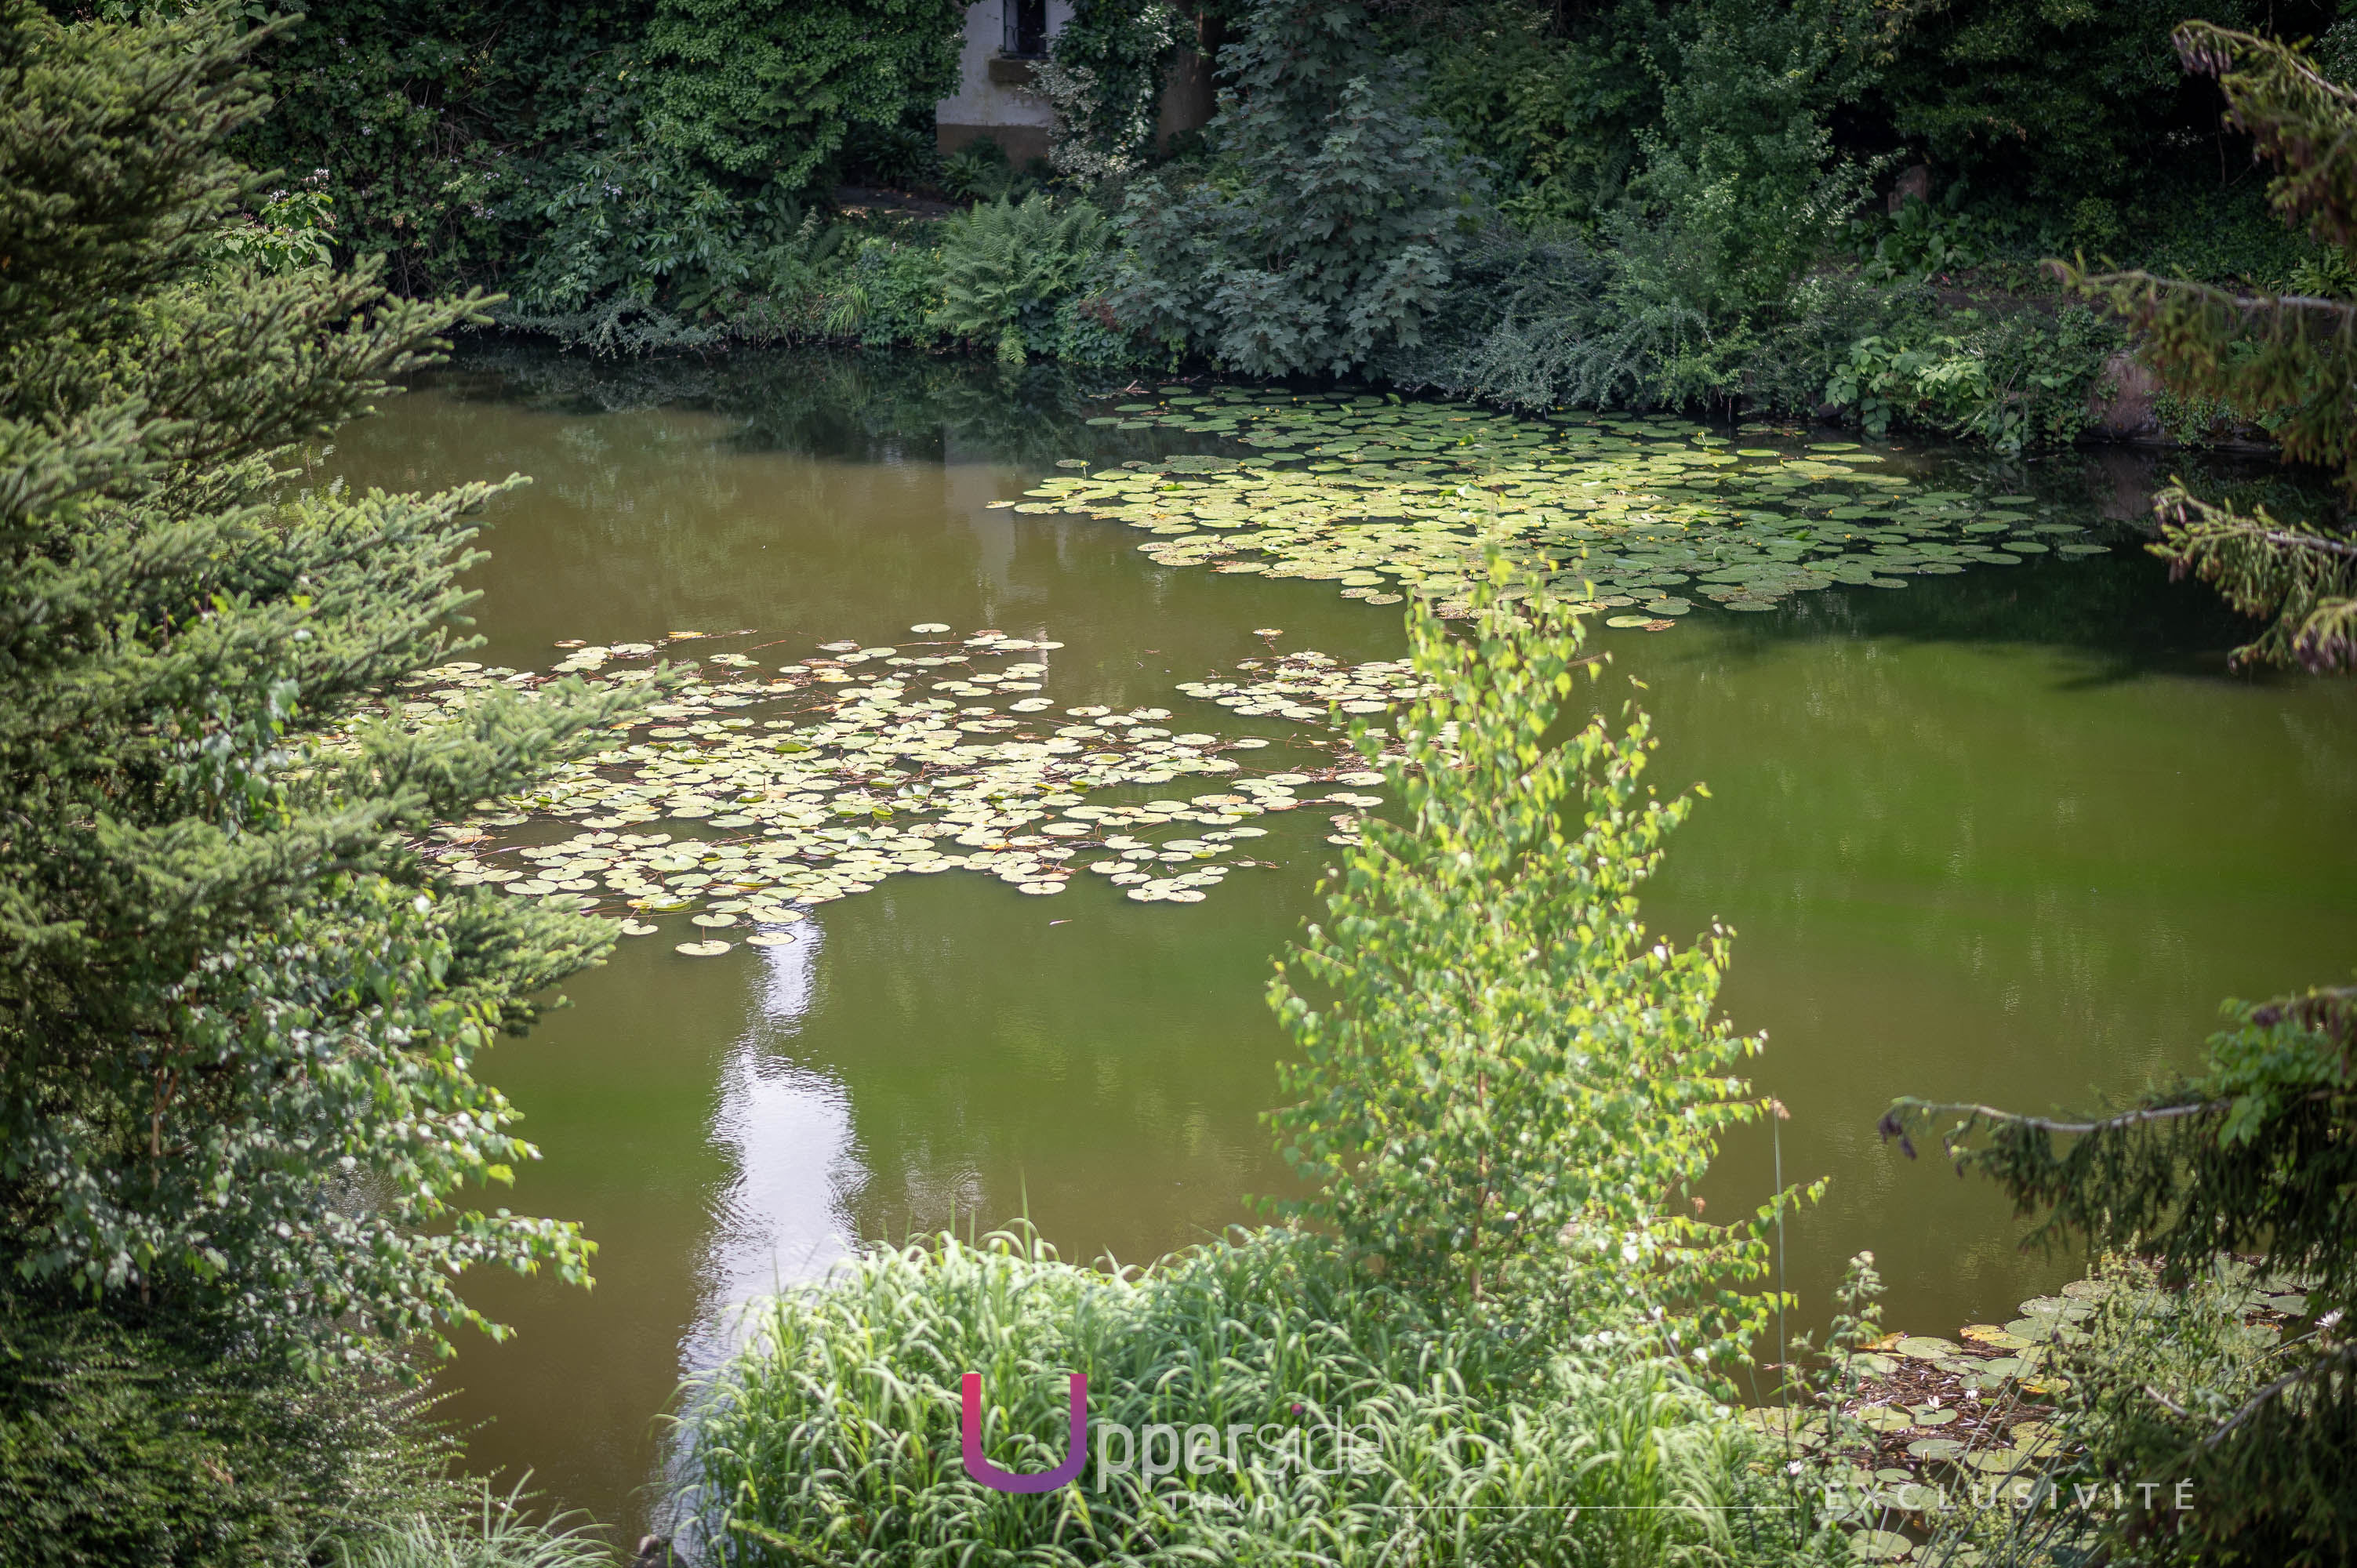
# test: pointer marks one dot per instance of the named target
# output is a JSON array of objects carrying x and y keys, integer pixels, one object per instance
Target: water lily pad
[
  {"x": 1993, "y": 1336},
  {"x": 1935, "y": 1448},
  {"x": 1928, "y": 1348},
  {"x": 1879, "y": 1546},
  {"x": 703, "y": 950}
]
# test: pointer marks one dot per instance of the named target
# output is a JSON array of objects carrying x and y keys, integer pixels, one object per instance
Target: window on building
[{"x": 1027, "y": 28}]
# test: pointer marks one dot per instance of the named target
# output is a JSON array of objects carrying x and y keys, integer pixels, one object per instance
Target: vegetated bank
[
  {"x": 1721, "y": 204},
  {"x": 242, "y": 1016}
]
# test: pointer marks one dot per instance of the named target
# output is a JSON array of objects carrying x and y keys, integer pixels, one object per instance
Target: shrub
[
  {"x": 1553, "y": 98},
  {"x": 1325, "y": 235},
  {"x": 1006, "y": 268},
  {"x": 155, "y": 1442},
  {"x": 765, "y": 91},
  {"x": 1512, "y": 1085},
  {"x": 1105, "y": 77},
  {"x": 2016, "y": 379}
]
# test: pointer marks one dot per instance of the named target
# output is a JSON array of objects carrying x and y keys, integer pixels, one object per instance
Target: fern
[{"x": 1006, "y": 266}]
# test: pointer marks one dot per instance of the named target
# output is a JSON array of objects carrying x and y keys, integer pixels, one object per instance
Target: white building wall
[{"x": 998, "y": 109}]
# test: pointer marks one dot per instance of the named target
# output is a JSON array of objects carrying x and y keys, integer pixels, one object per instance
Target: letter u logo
[{"x": 991, "y": 1476}]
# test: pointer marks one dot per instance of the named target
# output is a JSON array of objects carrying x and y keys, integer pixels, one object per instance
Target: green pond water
[{"x": 2009, "y": 834}]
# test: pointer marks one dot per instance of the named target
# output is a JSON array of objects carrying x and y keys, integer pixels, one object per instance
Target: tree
[
  {"x": 2287, "y": 360},
  {"x": 239, "y": 1012},
  {"x": 1512, "y": 1082},
  {"x": 1326, "y": 234}
]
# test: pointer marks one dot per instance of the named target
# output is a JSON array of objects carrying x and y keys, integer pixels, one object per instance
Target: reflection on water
[
  {"x": 2009, "y": 836},
  {"x": 784, "y": 1214}
]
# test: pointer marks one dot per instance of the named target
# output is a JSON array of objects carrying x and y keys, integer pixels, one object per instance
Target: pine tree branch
[
  {"x": 1892, "y": 1124},
  {"x": 2345, "y": 1355}
]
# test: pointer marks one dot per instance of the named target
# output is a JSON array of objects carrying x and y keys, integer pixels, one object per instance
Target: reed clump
[{"x": 1370, "y": 1429}]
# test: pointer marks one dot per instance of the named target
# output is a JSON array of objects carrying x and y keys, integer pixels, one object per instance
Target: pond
[{"x": 2009, "y": 835}]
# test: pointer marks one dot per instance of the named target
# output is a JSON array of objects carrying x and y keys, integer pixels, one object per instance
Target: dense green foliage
[
  {"x": 2253, "y": 1154},
  {"x": 1006, "y": 268},
  {"x": 2014, "y": 380},
  {"x": 238, "y": 1017},
  {"x": 1536, "y": 204},
  {"x": 2287, "y": 360},
  {"x": 1511, "y": 1083},
  {"x": 1105, "y": 77},
  {"x": 146, "y": 1442},
  {"x": 658, "y": 151},
  {"x": 766, "y": 90},
  {"x": 1325, "y": 235}
]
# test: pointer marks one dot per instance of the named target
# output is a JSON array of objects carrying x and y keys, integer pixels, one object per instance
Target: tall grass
[
  {"x": 834, "y": 1437},
  {"x": 496, "y": 1531}
]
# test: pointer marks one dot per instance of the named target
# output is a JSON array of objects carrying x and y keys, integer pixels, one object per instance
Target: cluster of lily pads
[
  {"x": 751, "y": 793},
  {"x": 1387, "y": 498},
  {"x": 1928, "y": 1411}
]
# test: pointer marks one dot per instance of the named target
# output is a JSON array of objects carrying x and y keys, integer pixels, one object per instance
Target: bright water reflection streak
[{"x": 784, "y": 1216}]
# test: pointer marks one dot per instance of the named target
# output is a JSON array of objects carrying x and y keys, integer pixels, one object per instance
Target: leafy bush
[
  {"x": 431, "y": 116},
  {"x": 2055, "y": 106},
  {"x": 1513, "y": 1083},
  {"x": 1007, "y": 268},
  {"x": 643, "y": 149},
  {"x": 154, "y": 1443},
  {"x": 1324, "y": 236},
  {"x": 1552, "y": 98},
  {"x": 765, "y": 91},
  {"x": 636, "y": 227},
  {"x": 2017, "y": 379},
  {"x": 1104, "y": 75},
  {"x": 290, "y": 229}
]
